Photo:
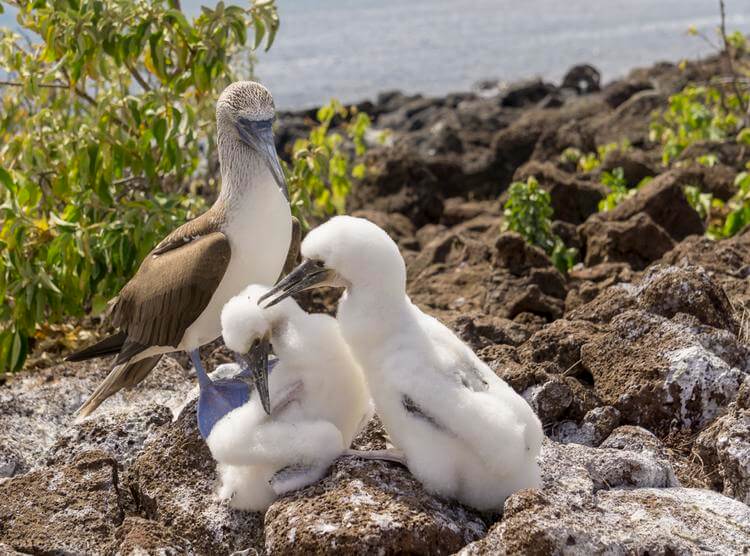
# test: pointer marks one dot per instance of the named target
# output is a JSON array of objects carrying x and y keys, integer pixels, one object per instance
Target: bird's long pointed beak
[
  {"x": 258, "y": 135},
  {"x": 308, "y": 274},
  {"x": 256, "y": 362}
]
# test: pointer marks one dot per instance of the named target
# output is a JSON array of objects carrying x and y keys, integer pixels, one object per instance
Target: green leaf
[
  {"x": 7, "y": 180},
  {"x": 160, "y": 131}
]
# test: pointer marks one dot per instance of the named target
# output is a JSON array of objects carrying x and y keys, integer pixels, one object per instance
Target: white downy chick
[
  {"x": 464, "y": 432},
  {"x": 319, "y": 402}
]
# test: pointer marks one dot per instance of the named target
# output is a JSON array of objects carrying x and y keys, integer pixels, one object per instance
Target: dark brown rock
[
  {"x": 583, "y": 78},
  {"x": 619, "y": 91},
  {"x": 63, "y": 509},
  {"x": 662, "y": 373},
  {"x": 365, "y": 507},
  {"x": 480, "y": 330},
  {"x": 638, "y": 240},
  {"x": 663, "y": 199},
  {"x": 630, "y": 120},
  {"x": 173, "y": 481},
  {"x": 399, "y": 182},
  {"x": 668, "y": 291},
  {"x": 143, "y": 536},
  {"x": 559, "y": 342},
  {"x": 573, "y": 200}
]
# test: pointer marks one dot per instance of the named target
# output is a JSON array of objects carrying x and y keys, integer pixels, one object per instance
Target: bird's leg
[
  {"x": 393, "y": 455},
  {"x": 203, "y": 379},
  {"x": 296, "y": 476}
]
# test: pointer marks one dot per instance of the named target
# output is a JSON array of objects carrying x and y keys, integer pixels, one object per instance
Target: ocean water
[{"x": 352, "y": 49}]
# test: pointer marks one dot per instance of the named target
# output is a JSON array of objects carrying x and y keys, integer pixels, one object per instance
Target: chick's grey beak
[
  {"x": 258, "y": 135},
  {"x": 254, "y": 364},
  {"x": 307, "y": 275}
]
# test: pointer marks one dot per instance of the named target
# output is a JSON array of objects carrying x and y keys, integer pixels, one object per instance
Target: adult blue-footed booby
[
  {"x": 320, "y": 402},
  {"x": 464, "y": 432},
  {"x": 174, "y": 301}
]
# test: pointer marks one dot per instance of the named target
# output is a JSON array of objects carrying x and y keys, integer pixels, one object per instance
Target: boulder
[
  {"x": 63, "y": 509},
  {"x": 37, "y": 413},
  {"x": 630, "y": 120},
  {"x": 615, "y": 500},
  {"x": 637, "y": 240},
  {"x": 173, "y": 481},
  {"x": 660, "y": 373},
  {"x": 364, "y": 507},
  {"x": 583, "y": 78},
  {"x": 724, "y": 448},
  {"x": 640, "y": 521},
  {"x": 399, "y": 181},
  {"x": 596, "y": 425},
  {"x": 525, "y": 93},
  {"x": 479, "y": 330},
  {"x": 663, "y": 199},
  {"x": 573, "y": 200},
  {"x": 618, "y": 92},
  {"x": 144, "y": 536}
]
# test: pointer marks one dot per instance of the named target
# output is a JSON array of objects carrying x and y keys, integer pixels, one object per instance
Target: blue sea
[{"x": 354, "y": 49}]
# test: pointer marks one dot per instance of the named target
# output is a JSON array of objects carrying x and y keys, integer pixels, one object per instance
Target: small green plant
[
  {"x": 618, "y": 189},
  {"x": 737, "y": 210},
  {"x": 321, "y": 172},
  {"x": 528, "y": 211},
  {"x": 700, "y": 201},
  {"x": 698, "y": 113},
  {"x": 588, "y": 162}
]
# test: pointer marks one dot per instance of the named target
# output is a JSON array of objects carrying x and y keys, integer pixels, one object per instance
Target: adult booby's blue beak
[{"x": 258, "y": 135}]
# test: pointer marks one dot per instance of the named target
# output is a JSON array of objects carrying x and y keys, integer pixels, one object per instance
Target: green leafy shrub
[
  {"x": 528, "y": 211},
  {"x": 106, "y": 114},
  {"x": 736, "y": 210},
  {"x": 698, "y": 113},
  {"x": 715, "y": 111},
  {"x": 321, "y": 172}
]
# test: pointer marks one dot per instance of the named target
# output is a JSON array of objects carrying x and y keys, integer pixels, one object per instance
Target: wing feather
[{"x": 171, "y": 290}]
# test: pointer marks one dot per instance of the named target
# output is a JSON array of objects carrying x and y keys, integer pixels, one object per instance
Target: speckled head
[
  {"x": 244, "y": 99},
  {"x": 244, "y": 118}
]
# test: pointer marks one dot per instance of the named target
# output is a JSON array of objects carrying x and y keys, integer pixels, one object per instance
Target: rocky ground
[{"x": 637, "y": 362}]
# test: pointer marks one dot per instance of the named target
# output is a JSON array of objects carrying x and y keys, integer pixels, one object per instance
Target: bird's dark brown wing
[{"x": 171, "y": 289}]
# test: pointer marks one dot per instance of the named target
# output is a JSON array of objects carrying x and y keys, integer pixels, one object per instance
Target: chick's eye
[{"x": 319, "y": 264}]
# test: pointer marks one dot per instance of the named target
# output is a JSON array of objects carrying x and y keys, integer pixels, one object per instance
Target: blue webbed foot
[{"x": 219, "y": 397}]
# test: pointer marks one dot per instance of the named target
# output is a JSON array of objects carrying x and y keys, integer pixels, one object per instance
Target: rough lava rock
[
  {"x": 173, "y": 481},
  {"x": 364, "y": 508},
  {"x": 68, "y": 508},
  {"x": 615, "y": 501},
  {"x": 724, "y": 448}
]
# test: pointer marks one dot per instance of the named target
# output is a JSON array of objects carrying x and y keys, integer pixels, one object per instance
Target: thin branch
[
  {"x": 728, "y": 56},
  {"x": 138, "y": 77},
  {"x": 44, "y": 85},
  {"x": 128, "y": 180}
]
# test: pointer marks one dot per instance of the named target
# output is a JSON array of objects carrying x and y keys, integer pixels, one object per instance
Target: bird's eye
[{"x": 319, "y": 264}]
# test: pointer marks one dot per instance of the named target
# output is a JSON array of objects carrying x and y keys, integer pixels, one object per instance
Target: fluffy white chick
[
  {"x": 464, "y": 432},
  {"x": 319, "y": 401}
]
